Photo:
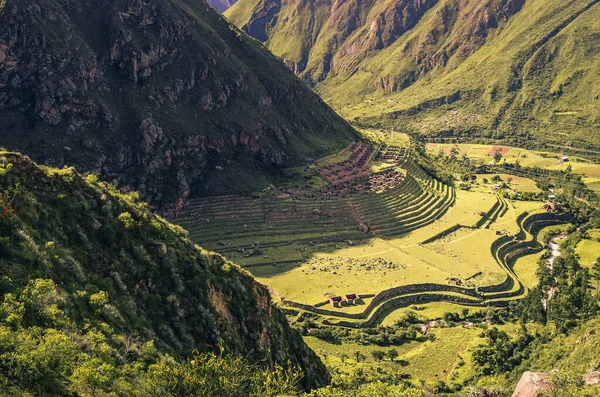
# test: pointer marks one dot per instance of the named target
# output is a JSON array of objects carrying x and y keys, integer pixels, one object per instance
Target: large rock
[
  {"x": 532, "y": 384},
  {"x": 592, "y": 379}
]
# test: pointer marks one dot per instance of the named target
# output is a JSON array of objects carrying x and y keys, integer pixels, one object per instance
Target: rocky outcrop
[
  {"x": 152, "y": 96},
  {"x": 532, "y": 384},
  {"x": 592, "y": 379}
]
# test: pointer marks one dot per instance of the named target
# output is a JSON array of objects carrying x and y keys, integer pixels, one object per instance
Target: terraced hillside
[
  {"x": 511, "y": 70},
  {"x": 274, "y": 229},
  {"x": 505, "y": 250}
]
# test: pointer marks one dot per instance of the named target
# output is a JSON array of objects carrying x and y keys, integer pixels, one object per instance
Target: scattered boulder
[
  {"x": 592, "y": 379},
  {"x": 162, "y": 250},
  {"x": 363, "y": 227}
]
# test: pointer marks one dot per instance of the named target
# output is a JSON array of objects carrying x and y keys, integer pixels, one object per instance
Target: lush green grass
[
  {"x": 429, "y": 361},
  {"x": 517, "y": 183},
  {"x": 427, "y": 312},
  {"x": 588, "y": 251},
  {"x": 461, "y": 254}
]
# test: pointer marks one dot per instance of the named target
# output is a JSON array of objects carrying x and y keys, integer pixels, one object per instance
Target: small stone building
[
  {"x": 336, "y": 301},
  {"x": 351, "y": 299}
]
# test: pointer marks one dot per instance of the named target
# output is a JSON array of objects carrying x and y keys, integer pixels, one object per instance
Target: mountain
[
  {"x": 163, "y": 97},
  {"x": 221, "y": 5},
  {"x": 510, "y": 69},
  {"x": 91, "y": 271}
]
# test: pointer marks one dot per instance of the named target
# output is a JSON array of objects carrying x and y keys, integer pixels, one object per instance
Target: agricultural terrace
[{"x": 381, "y": 228}]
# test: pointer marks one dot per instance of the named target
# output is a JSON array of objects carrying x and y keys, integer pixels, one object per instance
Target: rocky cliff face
[
  {"x": 164, "y": 97},
  {"x": 353, "y": 31}
]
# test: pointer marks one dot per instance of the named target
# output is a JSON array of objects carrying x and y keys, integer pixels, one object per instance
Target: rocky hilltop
[
  {"x": 510, "y": 69},
  {"x": 163, "y": 97},
  {"x": 92, "y": 272}
]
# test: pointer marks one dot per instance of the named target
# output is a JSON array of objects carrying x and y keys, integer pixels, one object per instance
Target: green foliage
[
  {"x": 380, "y": 336},
  {"x": 392, "y": 354},
  {"x": 501, "y": 354},
  {"x": 89, "y": 304},
  {"x": 374, "y": 389},
  {"x": 220, "y": 375},
  {"x": 127, "y": 220},
  {"x": 564, "y": 384}
]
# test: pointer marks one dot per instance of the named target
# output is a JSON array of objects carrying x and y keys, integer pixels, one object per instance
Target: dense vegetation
[{"x": 100, "y": 296}]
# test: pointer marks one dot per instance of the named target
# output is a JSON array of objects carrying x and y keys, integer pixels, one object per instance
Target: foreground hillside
[
  {"x": 98, "y": 294},
  {"x": 499, "y": 69},
  {"x": 164, "y": 97}
]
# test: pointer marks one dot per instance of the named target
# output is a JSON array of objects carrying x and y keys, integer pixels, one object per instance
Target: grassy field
[
  {"x": 428, "y": 360},
  {"x": 588, "y": 251},
  {"x": 428, "y": 311},
  {"x": 381, "y": 263},
  {"x": 421, "y": 233},
  {"x": 517, "y": 183},
  {"x": 527, "y": 158}
]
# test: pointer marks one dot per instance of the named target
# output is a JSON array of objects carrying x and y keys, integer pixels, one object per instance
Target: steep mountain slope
[
  {"x": 164, "y": 97},
  {"x": 524, "y": 68},
  {"x": 94, "y": 273}
]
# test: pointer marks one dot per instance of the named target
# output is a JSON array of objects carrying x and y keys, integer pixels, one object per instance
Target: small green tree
[
  {"x": 596, "y": 274},
  {"x": 392, "y": 354},
  {"x": 378, "y": 355},
  {"x": 497, "y": 156},
  {"x": 465, "y": 312},
  {"x": 127, "y": 220},
  {"x": 358, "y": 356}
]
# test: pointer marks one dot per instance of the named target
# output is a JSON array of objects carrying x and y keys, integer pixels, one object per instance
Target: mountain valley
[{"x": 389, "y": 198}]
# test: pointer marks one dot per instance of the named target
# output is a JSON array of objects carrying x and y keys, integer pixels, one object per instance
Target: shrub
[{"x": 127, "y": 220}]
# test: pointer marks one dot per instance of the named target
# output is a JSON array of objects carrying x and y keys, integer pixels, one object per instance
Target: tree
[
  {"x": 496, "y": 178},
  {"x": 596, "y": 274},
  {"x": 454, "y": 152},
  {"x": 465, "y": 312},
  {"x": 359, "y": 356},
  {"x": 392, "y": 354},
  {"x": 485, "y": 181},
  {"x": 378, "y": 355},
  {"x": 509, "y": 180},
  {"x": 497, "y": 156}
]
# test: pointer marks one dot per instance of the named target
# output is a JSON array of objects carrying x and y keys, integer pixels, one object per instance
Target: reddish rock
[{"x": 532, "y": 384}]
